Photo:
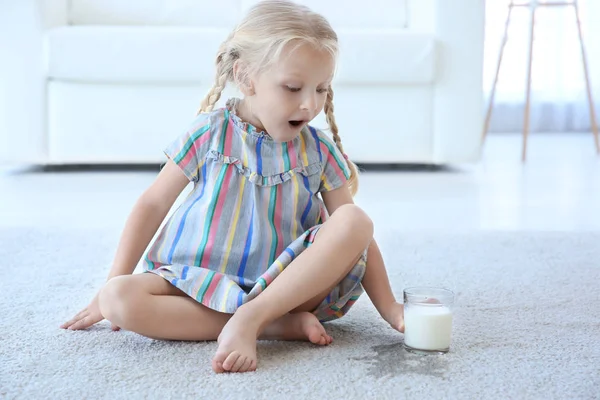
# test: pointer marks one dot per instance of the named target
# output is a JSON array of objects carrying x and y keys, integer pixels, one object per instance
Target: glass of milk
[{"x": 428, "y": 320}]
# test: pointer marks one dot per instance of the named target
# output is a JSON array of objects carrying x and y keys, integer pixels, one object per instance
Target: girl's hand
[
  {"x": 87, "y": 317},
  {"x": 395, "y": 316}
]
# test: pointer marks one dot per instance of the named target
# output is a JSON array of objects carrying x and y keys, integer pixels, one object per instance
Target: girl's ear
[{"x": 242, "y": 79}]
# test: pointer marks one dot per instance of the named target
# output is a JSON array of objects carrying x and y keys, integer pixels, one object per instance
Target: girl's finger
[
  {"x": 76, "y": 318},
  {"x": 69, "y": 322},
  {"x": 83, "y": 323},
  {"x": 114, "y": 327}
]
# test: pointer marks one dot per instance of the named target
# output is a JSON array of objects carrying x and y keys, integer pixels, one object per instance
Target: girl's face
[{"x": 285, "y": 98}]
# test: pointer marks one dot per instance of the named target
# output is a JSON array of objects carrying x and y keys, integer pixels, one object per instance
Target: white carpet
[{"x": 527, "y": 326}]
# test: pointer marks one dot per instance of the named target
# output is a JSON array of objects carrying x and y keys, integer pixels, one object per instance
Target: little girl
[{"x": 269, "y": 244}]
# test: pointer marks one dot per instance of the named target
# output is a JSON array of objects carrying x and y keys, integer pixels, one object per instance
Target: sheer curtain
[{"x": 558, "y": 94}]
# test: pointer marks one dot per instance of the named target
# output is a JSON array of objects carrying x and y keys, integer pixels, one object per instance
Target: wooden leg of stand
[
  {"x": 488, "y": 115},
  {"x": 587, "y": 82},
  {"x": 528, "y": 98}
]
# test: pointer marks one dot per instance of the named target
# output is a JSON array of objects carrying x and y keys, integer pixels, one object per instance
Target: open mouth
[{"x": 296, "y": 123}]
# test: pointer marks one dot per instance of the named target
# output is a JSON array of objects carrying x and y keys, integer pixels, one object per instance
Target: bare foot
[
  {"x": 237, "y": 345},
  {"x": 298, "y": 326},
  {"x": 237, "y": 341}
]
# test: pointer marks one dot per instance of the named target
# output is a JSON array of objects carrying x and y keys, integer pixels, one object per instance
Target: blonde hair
[{"x": 258, "y": 41}]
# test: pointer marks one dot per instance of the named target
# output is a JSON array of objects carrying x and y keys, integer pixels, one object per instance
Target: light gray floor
[
  {"x": 557, "y": 189},
  {"x": 526, "y": 324}
]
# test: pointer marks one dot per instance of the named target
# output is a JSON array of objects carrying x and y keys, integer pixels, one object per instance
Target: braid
[
  {"x": 224, "y": 63},
  {"x": 214, "y": 94},
  {"x": 328, "y": 108}
]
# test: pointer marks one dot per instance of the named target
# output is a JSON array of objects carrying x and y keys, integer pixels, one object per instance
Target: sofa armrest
[
  {"x": 458, "y": 26},
  {"x": 458, "y": 97},
  {"x": 23, "y": 76}
]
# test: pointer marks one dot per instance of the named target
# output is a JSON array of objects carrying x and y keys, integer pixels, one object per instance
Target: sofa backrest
[
  {"x": 208, "y": 13},
  {"x": 374, "y": 14}
]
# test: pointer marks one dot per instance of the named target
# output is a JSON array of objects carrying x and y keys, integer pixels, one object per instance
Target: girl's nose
[{"x": 309, "y": 102}]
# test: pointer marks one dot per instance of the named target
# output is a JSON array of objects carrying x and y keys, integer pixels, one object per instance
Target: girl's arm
[
  {"x": 148, "y": 213},
  {"x": 375, "y": 282},
  {"x": 141, "y": 226}
]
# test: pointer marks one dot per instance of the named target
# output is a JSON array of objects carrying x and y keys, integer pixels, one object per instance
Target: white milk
[{"x": 427, "y": 327}]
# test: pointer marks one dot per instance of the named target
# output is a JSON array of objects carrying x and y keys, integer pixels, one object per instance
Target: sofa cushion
[
  {"x": 222, "y": 13},
  {"x": 386, "y": 56},
  {"x": 186, "y": 54},
  {"x": 379, "y": 14},
  {"x": 133, "y": 54}
]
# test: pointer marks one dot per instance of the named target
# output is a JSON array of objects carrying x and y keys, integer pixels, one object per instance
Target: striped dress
[{"x": 254, "y": 208}]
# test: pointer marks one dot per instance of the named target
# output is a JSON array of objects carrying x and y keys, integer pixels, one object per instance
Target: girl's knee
[
  {"x": 119, "y": 299},
  {"x": 354, "y": 222}
]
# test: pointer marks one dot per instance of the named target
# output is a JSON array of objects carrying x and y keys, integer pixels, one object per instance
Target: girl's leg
[
  {"x": 301, "y": 286},
  {"x": 149, "y": 305}
]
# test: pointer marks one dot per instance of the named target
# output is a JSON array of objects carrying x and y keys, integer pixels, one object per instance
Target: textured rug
[{"x": 527, "y": 326}]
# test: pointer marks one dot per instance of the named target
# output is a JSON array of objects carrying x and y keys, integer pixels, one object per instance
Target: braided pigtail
[
  {"x": 224, "y": 63},
  {"x": 328, "y": 108}
]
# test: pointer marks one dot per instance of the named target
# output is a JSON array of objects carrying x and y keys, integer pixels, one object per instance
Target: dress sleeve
[
  {"x": 335, "y": 168},
  {"x": 189, "y": 150}
]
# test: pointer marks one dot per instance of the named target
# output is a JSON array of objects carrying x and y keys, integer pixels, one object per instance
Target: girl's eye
[
  {"x": 293, "y": 89},
  {"x": 321, "y": 90}
]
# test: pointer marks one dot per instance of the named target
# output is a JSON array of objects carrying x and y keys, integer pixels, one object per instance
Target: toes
[
  {"x": 317, "y": 335},
  {"x": 217, "y": 366},
  {"x": 324, "y": 339},
  {"x": 235, "y": 362},
  {"x": 247, "y": 365},
  {"x": 231, "y": 360},
  {"x": 217, "y": 363},
  {"x": 238, "y": 366}
]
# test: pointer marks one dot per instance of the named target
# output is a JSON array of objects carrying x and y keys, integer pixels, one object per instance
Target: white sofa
[{"x": 113, "y": 81}]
